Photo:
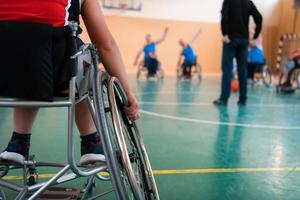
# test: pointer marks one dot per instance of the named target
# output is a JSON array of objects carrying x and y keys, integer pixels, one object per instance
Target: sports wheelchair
[
  {"x": 291, "y": 85},
  {"x": 264, "y": 76},
  {"x": 127, "y": 164},
  {"x": 155, "y": 71},
  {"x": 192, "y": 71}
]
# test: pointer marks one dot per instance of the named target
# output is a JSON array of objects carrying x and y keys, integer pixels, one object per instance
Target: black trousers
[{"x": 237, "y": 48}]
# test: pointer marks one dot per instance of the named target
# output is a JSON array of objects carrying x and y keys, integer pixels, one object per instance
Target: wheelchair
[
  {"x": 264, "y": 77},
  {"x": 156, "y": 72},
  {"x": 127, "y": 164},
  {"x": 190, "y": 72},
  {"x": 294, "y": 84}
]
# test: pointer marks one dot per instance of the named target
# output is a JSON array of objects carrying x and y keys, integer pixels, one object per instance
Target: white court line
[
  {"x": 183, "y": 92},
  {"x": 211, "y": 104},
  {"x": 258, "y": 126}
]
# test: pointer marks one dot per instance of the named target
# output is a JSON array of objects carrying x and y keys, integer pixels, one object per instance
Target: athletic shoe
[
  {"x": 17, "y": 151},
  {"x": 91, "y": 152},
  {"x": 220, "y": 102},
  {"x": 242, "y": 102}
]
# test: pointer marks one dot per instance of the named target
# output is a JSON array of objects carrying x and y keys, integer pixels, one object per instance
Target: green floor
[{"x": 199, "y": 151}]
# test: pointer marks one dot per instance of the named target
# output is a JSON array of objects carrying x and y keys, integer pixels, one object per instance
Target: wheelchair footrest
[{"x": 60, "y": 193}]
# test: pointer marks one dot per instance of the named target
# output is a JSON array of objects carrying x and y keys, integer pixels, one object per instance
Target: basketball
[{"x": 235, "y": 85}]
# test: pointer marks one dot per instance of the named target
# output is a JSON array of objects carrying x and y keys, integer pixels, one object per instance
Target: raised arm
[
  {"x": 163, "y": 37},
  {"x": 109, "y": 51},
  {"x": 194, "y": 38}
]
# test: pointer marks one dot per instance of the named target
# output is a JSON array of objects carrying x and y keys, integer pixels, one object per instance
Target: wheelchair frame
[
  {"x": 266, "y": 77},
  {"x": 91, "y": 89},
  {"x": 198, "y": 72},
  {"x": 295, "y": 83},
  {"x": 143, "y": 69}
]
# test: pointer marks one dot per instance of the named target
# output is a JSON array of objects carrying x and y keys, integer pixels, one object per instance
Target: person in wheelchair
[
  {"x": 256, "y": 61},
  {"x": 34, "y": 51},
  {"x": 150, "y": 62},
  {"x": 188, "y": 59},
  {"x": 291, "y": 66}
]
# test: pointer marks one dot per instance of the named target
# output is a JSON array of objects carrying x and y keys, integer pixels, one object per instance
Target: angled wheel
[
  {"x": 267, "y": 76},
  {"x": 298, "y": 79},
  {"x": 129, "y": 166},
  {"x": 102, "y": 110},
  {"x": 136, "y": 170},
  {"x": 2, "y": 195},
  {"x": 3, "y": 170}
]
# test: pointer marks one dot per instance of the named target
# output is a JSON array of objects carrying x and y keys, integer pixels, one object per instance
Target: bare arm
[
  {"x": 163, "y": 37},
  {"x": 108, "y": 49},
  {"x": 195, "y": 36}
]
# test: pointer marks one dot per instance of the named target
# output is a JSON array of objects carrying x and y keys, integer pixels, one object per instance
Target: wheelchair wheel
[
  {"x": 267, "y": 76},
  {"x": 2, "y": 195},
  {"x": 296, "y": 79},
  {"x": 130, "y": 170},
  {"x": 102, "y": 109},
  {"x": 134, "y": 159},
  {"x": 3, "y": 170}
]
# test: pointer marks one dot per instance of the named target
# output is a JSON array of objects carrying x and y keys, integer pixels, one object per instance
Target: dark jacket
[{"x": 235, "y": 19}]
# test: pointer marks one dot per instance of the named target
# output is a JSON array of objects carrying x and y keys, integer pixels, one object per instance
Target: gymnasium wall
[
  {"x": 184, "y": 18},
  {"x": 288, "y": 17}
]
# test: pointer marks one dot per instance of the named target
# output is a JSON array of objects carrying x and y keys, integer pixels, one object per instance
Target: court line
[
  {"x": 191, "y": 93},
  {"x": 192, "y": 171},
  {"x": 210, "y": 104},
  {"x": 224, "y": 170},
  {"x": 258, "y": 126}
]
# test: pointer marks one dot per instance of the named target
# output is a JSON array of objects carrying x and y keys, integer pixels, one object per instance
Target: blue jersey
[
  {"x": 149, "y": 48},
  {"x": 189, "y": 54},
  {"x": 256, "y": 55}
]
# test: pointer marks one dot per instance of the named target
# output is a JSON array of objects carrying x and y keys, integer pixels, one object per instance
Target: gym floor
[{"x": 197, "y": 150}]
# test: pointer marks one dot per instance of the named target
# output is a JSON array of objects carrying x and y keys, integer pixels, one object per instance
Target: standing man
[{"x": 235, "y": 30}]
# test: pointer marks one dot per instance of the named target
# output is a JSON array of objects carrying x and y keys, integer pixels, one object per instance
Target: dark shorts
[
  {"x": 189, "y": 64},
  {"x": 152, "y": 65},
  {"x": 187, "y": 68},
  {"x": 32, "y": 60}
]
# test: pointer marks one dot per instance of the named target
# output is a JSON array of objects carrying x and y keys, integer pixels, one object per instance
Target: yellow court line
[
  {"x": 223, "y": 170},
  {"x": 190, "y": 171}
]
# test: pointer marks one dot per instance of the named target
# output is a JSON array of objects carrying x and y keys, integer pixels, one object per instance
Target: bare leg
[
  {"x": 84, "y": 119},
  {"x": 24, "y": 119}
]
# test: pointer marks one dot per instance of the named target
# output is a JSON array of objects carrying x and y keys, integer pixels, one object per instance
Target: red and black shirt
[{"x": 55, "y": 12}]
